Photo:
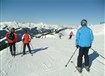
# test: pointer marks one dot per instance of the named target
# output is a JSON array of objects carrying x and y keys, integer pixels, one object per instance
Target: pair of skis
[
  {"x": 25, "y": 54},
  {"x": 77, "y": 67},
  {"x": 80, "y": 72}
]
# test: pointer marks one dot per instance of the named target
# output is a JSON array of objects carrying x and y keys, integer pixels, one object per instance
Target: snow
[
  {"x": 48, "y": 36},
  {"x": 3, "y": 39},
  {"x": 50, "y": 56},
  {"x": 98, "y": 29}
]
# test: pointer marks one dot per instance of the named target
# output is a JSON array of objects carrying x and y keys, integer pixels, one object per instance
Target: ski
[
  {"x": 80, "y": 73},
  {"x": 31, "y": 54},
  {"x": 86, "y": 72},
  {"x": 23, "y": 55},
  {"x": 78, "y": 69}
]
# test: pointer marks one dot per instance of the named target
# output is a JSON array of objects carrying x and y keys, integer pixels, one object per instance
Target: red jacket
[
  {"x": 26, "y": 38},
  {"x": 9, "y": 40},
  {"x": 71, "y": 33}
]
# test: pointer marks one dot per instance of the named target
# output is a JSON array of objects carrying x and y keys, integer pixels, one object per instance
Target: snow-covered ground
[{"x": 50, "y": 55}]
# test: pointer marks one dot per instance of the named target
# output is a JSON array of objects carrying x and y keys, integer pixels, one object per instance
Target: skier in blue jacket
[{"x": 84, "y": 39}]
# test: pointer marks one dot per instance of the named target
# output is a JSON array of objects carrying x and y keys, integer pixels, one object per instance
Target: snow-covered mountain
[
  {"x": 51, "y": 54},
  {"x": 34, "y": 29},
  {"x": 28, "y": 25}
]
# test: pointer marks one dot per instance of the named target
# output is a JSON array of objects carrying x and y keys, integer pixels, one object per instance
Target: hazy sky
[{"x": 53, "y": 11}]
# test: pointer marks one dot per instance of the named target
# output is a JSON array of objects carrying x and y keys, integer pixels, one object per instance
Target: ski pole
[
  {"x": 22, "y": 47},
  {"x": 17, "y": 48},
  {"x": 32, "y": 46},
  {"x": 98, "y": 53},
  {"x": 7, "y": 48},
  {"x": 71, "y": 57}
]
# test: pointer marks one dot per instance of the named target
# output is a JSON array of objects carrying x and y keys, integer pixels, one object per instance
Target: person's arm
[
  {"x": 72, "y": 33},
  {"x": 16, "y": 36},
  {"x": 22, "y": 38},
  {"x": 92, "y": 37},
  {"x": 7, "y": 35},
  {"x": 29, "y": 38}
]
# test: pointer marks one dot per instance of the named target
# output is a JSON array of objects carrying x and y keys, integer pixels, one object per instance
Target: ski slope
[{"x": 50, "y": 56}]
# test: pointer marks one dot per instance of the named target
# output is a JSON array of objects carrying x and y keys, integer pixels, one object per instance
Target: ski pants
[
  {"x": 24, "y": 47},
  {"x": 12, "y": 48},
  {"x": 70, "y": 36},
  {"x": 83, "y": 51}
]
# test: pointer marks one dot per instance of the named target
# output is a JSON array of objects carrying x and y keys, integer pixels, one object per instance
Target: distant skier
[
  {"x": 84, "y": 39},
  {"x": 12, "y": 38},
  {"x": 70, "y": 35},
  {"x": 60, "y": 35},
  {"x": 26, "y": 38}
]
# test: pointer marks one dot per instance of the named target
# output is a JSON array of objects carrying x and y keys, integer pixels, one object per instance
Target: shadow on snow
[
  {"x": 92, "y": 57},
  {"x": 34, "y": 50}
]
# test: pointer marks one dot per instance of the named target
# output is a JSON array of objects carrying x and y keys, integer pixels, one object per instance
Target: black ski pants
[
  {"x": 83, "y": 51},
  {"x": 70, "y": 36},
  {"x": 24, "y": 48},
  {"x": 12, "y": 48}
]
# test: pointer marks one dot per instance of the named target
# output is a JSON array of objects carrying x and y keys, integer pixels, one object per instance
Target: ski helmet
[{"x": 84, "y": 22}]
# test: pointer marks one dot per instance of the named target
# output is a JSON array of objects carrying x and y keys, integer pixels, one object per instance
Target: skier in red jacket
[
  {"x": 71, "y": 34},
  {"x": 26, "y": 38},
  {"x": 12, "y": 38}
]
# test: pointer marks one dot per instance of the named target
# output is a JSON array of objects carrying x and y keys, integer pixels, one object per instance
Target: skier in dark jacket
[
  {"x": 60, "y": 35},
  {"x": 84, "y": 39},
  {"x": 12, "y": 38}
]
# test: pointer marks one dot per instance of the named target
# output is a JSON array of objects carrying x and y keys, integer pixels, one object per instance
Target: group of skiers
[
  {"x": 12, "y": 39},
  {"x": 84, "y": 39},
  {"x": 70, "y": 35}
]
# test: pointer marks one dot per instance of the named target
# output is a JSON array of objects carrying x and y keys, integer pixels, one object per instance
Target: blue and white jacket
[{"x": 84, "y": 37}]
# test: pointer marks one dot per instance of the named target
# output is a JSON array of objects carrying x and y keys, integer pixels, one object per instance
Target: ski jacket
[
  {"x": 84, "y": 37},
  {"x": 26, "y": 38},
  {"x": 11, "y": 40},
  {"x": 71, "y": 33}
]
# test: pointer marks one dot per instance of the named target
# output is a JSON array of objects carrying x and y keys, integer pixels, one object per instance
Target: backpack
[{"x": 11, "y": 36}]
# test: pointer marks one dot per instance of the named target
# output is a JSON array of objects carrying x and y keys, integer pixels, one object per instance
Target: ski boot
[
  {"x": 79, "y": 69},
  {"x": 87, "y": 68}
]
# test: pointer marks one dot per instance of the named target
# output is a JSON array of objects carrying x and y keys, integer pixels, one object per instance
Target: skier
[
  {"x": 60, "y": 35},
  {"x": 12, "y": 38},
  {"x": 71, "y": 34},
  {"x": 84, "y": 39},
  {"x": 26, "y": 38}
]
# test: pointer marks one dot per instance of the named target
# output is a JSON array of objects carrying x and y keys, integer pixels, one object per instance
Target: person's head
[
  {"x": 13, "y": 30},
  {"x": 84, "y": 22}
]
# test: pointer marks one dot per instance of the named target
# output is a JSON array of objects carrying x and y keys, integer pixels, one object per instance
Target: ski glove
[
  {"x": 77, "y": 46},
  {"x": 89, "y": 46}
]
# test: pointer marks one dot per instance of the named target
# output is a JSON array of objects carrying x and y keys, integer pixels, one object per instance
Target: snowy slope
[{"x": 50, "y": 56}]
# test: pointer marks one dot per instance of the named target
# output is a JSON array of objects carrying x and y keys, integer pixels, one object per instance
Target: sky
[{"x": 62, "y": 12}]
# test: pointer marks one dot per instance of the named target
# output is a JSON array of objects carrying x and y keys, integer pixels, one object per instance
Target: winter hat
[
  {"x": 12, "y": 28},
  {"x": 84, "y": 22}
]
